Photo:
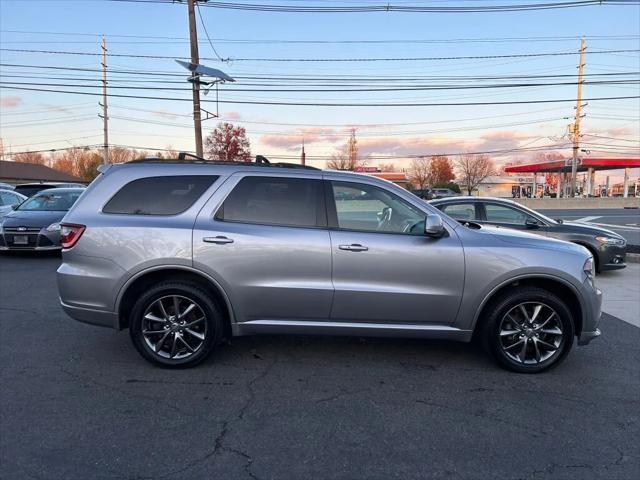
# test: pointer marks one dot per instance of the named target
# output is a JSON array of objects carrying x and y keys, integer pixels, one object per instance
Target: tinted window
[
  {"x": 460, "y": 211},
  {"x": 159, "y": 195},
  {"x": 374, "y": 209},
  {"x": 275, "y": 201},
  {"x": 30, "y": 190},
  {"x": 501, "y": 214}
]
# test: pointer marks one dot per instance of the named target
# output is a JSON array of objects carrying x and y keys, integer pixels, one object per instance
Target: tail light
[{"x": 70, "y": 234}]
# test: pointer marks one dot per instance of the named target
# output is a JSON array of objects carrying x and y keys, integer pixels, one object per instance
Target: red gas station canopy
[{"x": 557, "y": 166}]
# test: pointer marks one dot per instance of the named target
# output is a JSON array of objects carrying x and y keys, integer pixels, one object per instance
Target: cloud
[
  {"x": 56, "y": 108},
  {"x": 10, "y": 102},
  {"x": 232, "y": 115},
  {"x": 293, "y": 139},
  {"x": 162, "y": 113}
]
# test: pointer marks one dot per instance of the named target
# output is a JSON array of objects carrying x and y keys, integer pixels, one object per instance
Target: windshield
[{"x": 51, "y": 201}]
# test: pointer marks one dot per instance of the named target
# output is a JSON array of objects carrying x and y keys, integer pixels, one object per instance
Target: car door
[
  {"x": 264, "y": 239},
  {"x": 510, "y": 216},
  {"x": 385, "y": 270}
]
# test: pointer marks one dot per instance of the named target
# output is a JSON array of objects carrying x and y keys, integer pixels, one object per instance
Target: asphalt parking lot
[{"x": 78, "y": 402}]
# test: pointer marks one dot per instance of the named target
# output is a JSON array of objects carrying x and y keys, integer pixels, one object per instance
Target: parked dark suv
[{"x": 184, "y": 254}]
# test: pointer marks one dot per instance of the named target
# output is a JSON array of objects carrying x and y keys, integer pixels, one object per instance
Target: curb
[{"x": 632, "y": 258}]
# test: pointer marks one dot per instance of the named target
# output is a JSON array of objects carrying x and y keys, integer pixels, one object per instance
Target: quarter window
[
  {"x": 281, "y": 201},
  {"x": 460, "y": 211},
  {"x": 373, "y": 209},
  {"x": 159, "y": 195},
  {"x": 501, "y": 214}
]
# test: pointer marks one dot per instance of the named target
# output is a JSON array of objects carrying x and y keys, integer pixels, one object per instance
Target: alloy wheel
[
  {"x": 174, "y": 327},
  {"x": 531, "y": 333}
]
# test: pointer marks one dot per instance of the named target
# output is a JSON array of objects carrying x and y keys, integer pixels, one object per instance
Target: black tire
[
  {"x": 211, "y": 327},
  {"x": 496, "y": 319}
]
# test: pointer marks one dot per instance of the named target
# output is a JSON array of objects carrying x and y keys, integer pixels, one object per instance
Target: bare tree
[
  {"x": 348, "y": 157},
  {"x": 419, "y": 172},
  {"x": 473, "y": 169},
  {"x": 29, "y": 157},
  {"x": 387, "y": 167}
]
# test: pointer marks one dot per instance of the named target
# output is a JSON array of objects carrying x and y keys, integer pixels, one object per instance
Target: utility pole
[
  {"x": 105, "y": 113},
  {"x": 576, "y": 125},
  {"x": 195, "y": 81}
]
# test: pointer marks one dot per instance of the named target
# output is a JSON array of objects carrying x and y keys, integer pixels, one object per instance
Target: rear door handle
[
  {"x": 219, "y": 240},
  {"x": 354, "y": 247}
]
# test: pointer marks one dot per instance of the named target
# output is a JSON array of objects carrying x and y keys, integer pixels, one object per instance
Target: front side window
[
  {"x": 460, "y": 211},
  {"x": 374, "y": 209},
  {"x": 159, "y": 195},
  {"x": 501, "y": 214},
  {"x": 51, "y": 201},
  {"x": 296, "y": 202}
]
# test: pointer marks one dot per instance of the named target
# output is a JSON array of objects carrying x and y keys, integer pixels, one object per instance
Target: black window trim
[
  {"x": 321, "y": 217},
  {"x": 156, "y": 215}
]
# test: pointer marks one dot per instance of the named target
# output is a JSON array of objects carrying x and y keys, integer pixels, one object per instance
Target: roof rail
[{"x": 261, "y": 161}]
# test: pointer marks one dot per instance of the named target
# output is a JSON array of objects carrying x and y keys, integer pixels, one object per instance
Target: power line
[
  {"x": 389, "y": 7},
  {"x": 329, "y": 104},
  {"x": 327, "y": 60},
  {"x": 153, "y": 39}
]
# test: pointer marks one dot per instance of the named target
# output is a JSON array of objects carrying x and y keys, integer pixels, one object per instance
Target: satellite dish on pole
[
  {"x": 198, "y": 69},
  {"x": 201, "y": 70}
]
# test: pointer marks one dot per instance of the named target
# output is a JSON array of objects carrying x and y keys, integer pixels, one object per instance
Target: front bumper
[
  {"x": 612, "y": 257},
  {"x": 37, "y": 240}
]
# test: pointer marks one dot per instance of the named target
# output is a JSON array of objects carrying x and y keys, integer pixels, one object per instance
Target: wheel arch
[
  {"x": 552, "y": 284},
  {"x": 144, "y": 279}
]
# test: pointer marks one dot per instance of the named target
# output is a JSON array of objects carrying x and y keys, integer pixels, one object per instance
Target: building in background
[
  {"x": 19, "y": 172},
  {"x": 506, "y": 186}
]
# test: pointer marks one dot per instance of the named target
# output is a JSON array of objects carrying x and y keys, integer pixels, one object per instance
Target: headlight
[
  {"x": 54, "y": 227},
  {"x": 621, "y": 242},
  {"x": 589, "y": 268}
]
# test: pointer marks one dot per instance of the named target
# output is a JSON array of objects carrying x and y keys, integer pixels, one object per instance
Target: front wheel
[
  {"x": 175, "y": 325},
  {"x": 529, "y": 330}
]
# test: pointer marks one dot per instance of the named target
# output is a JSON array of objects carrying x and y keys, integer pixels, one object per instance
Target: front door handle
[
  {"x": 354, "y": 247},
  {"x": 219, "y": 240}
]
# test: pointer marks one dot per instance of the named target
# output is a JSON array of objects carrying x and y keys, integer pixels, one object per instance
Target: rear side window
[
  {"x": 159, "y": 195},
  {"x": 275, "y": 201}
]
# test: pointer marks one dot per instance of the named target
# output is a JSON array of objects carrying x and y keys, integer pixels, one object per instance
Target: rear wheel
[
  {"x": 529, "y": 330},
  {"x": 175, "y": 324}
]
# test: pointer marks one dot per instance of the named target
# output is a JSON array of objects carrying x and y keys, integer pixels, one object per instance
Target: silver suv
[{"x": 184, "y": 254}]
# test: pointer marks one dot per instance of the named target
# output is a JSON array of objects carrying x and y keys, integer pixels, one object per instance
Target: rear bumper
[{"x": 93, "y": 317}]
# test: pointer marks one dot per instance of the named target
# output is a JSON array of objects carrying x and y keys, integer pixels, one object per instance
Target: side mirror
[
  {"x": 15, "y": 206},
  {"x": 433, "y": 226},
  {"x": 530, "y": 223}
]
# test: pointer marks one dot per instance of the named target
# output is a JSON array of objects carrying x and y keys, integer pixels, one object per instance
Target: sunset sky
[{"x": 36, "y": 120}]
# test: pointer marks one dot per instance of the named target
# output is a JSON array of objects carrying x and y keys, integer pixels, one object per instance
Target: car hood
[
  {"x": 26, "y": 218},
  {"x": 531, "y": 240},
  {"x": 589, "y": 229}
]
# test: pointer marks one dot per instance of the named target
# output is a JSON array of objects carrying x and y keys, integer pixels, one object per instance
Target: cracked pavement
[{"x": 77, "y": 401}]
